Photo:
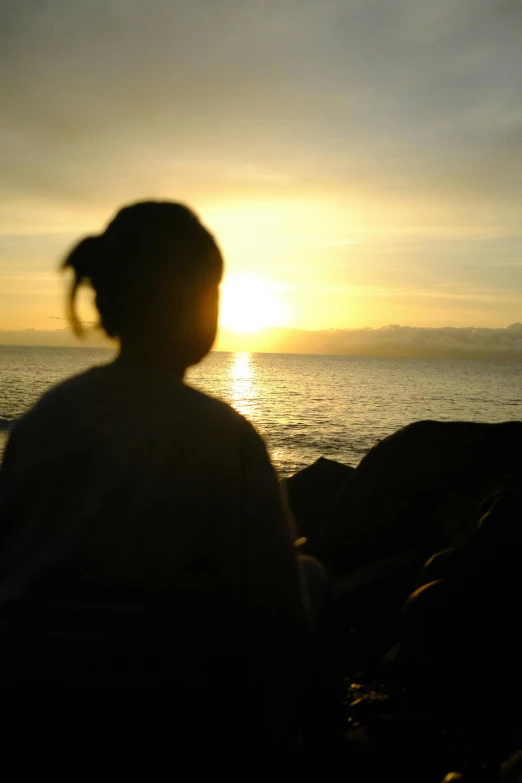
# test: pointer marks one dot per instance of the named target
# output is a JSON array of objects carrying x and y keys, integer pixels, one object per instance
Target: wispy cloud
[{"x": 388, "y": 97}]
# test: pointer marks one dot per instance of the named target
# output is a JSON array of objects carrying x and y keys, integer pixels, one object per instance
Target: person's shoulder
[
  {"x": 70, "y": 387},
  {"x": 216, "y": 409},
  {"x": 50, "y": 413},
  {"x": 58, "y": 397},
  {"x": 226, "y": 425},
  {"x": 223, "y": 415}
]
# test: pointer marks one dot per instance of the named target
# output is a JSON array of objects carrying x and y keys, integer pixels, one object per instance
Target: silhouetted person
[{"x": 143, "y": 541}]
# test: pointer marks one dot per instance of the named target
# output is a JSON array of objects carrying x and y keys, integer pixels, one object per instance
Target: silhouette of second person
[{"x": 144, "y": 541}]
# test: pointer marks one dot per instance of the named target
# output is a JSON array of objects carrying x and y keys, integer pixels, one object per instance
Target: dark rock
[
  {"x": 311, "y": 494},
  {"x": 436, "y": 567},
  {"x": 419, "y": 489},
  {"x": 491, "y": 553},
  {"x": 464, "y": 625},
  {"x": 511, "y": 770},
  {"x": 451, "y": 689},
  {"x": 369, "y": 602}
]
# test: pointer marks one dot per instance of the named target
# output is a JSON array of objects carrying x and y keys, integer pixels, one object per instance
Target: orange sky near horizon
[{"x": 359, "y": 163}]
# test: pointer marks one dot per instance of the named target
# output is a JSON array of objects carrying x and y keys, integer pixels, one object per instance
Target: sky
[{"x": 360, "y": 161}]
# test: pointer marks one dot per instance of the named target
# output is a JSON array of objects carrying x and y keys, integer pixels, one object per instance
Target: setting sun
[{"x": 250, "y": 304}]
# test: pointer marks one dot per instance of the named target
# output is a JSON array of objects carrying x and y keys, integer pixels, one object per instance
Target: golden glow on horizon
[{"x": 250, "y": 304}]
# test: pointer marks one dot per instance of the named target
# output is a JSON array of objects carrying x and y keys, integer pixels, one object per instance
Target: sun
[{"x": 250, "y": 304}]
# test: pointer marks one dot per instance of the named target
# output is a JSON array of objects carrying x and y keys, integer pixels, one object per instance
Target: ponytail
[{"x": 82, "y": 259}]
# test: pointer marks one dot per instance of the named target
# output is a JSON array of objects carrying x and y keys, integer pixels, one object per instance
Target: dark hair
[{"x": 145, "y": 246}]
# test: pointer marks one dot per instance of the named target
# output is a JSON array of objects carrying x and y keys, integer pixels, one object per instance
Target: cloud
[
  {"x": 54, "y": 337},
  {"x": 371, "y": 119},
  {"x": 103, "y": 98},
  {"x": 393, "y": 340},
  {"x": 402, "y": 341}
]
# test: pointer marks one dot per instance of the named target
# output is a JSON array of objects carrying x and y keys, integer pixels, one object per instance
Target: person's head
[{"x": 156, "y": 272}]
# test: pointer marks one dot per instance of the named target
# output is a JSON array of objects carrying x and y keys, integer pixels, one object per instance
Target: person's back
[{"x": 143, "y": 539}]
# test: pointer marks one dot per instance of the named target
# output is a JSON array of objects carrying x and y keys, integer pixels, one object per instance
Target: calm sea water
[{"x": 304, "y": 406}]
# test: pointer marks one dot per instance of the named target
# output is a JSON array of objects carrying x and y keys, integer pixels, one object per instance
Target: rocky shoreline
[{"x": 422, "y": 541}]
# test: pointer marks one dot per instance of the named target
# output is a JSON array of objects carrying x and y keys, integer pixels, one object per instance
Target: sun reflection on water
[{"x": 243, "y": 392}]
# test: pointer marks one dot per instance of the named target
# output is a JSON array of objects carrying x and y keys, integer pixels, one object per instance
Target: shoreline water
[{"x": 305, "y": 406}]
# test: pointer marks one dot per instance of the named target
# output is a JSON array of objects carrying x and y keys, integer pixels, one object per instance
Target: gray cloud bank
[
  {"x": 59, "y": 338},
  {"x": 392, "y": 341},
  {"x": 404, "y": 341}
]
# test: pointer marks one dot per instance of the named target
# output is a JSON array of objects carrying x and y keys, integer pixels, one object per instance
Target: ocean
[{"x": 304, "y": 406}]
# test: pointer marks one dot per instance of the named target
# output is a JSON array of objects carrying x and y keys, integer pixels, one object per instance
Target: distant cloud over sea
[{"x": 394, "y": 340}]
